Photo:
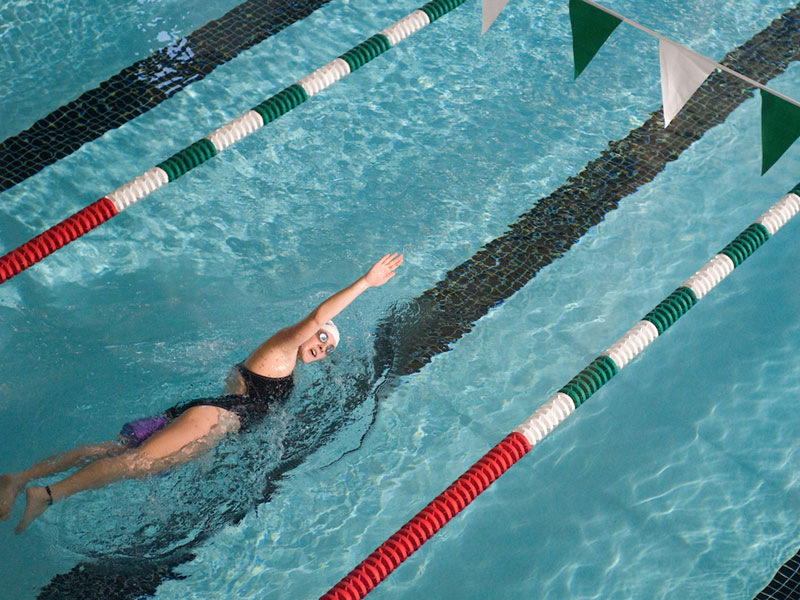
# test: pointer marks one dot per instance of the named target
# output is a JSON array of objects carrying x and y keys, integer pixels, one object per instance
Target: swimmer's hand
[{"x": 383, "y": 270}]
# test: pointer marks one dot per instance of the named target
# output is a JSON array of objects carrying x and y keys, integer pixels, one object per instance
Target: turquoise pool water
[{"x": 677, "y": 480}]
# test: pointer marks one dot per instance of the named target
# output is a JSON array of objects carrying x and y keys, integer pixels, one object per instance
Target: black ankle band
[{"x": 49, "y": 495}]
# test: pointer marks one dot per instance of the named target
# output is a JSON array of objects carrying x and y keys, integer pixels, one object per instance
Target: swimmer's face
[{"x": 317, "y": 347}]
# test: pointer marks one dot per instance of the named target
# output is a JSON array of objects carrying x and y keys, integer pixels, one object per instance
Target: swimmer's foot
[
  {"x": 10, "y": 486},
  {"x": 37, "y": 500}
]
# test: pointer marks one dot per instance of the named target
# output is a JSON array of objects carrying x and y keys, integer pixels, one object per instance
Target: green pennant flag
[
  {"x": 590, "y": 29},
  {"x": 780, "y": 127}
]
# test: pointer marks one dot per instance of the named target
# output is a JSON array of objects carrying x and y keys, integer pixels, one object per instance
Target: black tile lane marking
[
  {"x": 785, "y": 585},
  {"x": 144, "y": 85}
]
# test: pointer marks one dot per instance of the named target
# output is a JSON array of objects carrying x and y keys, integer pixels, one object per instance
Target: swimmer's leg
[
  {"x": 180, "y": 441},
  {"x": 12, "y": 484}
]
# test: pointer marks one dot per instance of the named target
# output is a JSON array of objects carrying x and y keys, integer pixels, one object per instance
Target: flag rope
[{"x": 720, "y": 66}]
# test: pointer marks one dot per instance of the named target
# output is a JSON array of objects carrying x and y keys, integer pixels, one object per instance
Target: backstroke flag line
[
  {"x": 590, "y": 30},
  {"x": 489, "y": 11},
  {"x": 682, "y": 72},
  {"x": 780, "y": 127}
]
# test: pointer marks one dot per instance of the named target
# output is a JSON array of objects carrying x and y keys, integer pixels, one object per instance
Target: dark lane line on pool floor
[
  {"x": 144, "y": 85},
  {"x": 410, "y": 336},
  {"x": 786, "y": 583}
]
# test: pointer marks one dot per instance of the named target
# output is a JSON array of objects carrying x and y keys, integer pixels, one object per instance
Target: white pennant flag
[
  {"x": 490, "y": 9},
  {"x": 682, "y": 72}
]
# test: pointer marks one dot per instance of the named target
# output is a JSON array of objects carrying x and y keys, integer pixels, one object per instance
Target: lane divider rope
[
  {"x": 409, "y": 538},
  {"x": 202, "y": 150}
]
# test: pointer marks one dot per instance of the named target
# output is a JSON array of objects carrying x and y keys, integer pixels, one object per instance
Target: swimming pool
[{"x": 684, "y": 460}]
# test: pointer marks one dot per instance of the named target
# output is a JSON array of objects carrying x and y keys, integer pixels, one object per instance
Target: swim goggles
[{"x": 323, "y": 337}]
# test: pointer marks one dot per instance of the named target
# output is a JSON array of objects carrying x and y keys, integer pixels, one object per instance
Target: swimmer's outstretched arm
[
  {"x": 381, "y": 272},
  {"x": 287, "y": 340}
]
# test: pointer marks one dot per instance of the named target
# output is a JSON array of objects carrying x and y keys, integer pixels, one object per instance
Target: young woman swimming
[{"x": 151, "y": 445}]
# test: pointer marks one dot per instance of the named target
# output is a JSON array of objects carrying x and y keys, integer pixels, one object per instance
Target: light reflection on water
[{"x": 666, "y": 484}]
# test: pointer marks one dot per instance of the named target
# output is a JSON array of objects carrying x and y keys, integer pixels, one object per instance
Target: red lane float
[
  {"x": 54, "y": 238},
  {"x": 408, "y": 539}
]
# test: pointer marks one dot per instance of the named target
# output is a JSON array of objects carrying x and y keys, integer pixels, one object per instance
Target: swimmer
[{"x": 181, "y": 433}]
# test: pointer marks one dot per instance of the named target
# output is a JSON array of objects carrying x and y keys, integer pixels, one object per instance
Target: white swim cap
[{"x": 332, "y": 331}]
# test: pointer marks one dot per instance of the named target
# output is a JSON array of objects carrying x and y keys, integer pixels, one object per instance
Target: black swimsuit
[{"x": 261, "y": 393}]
